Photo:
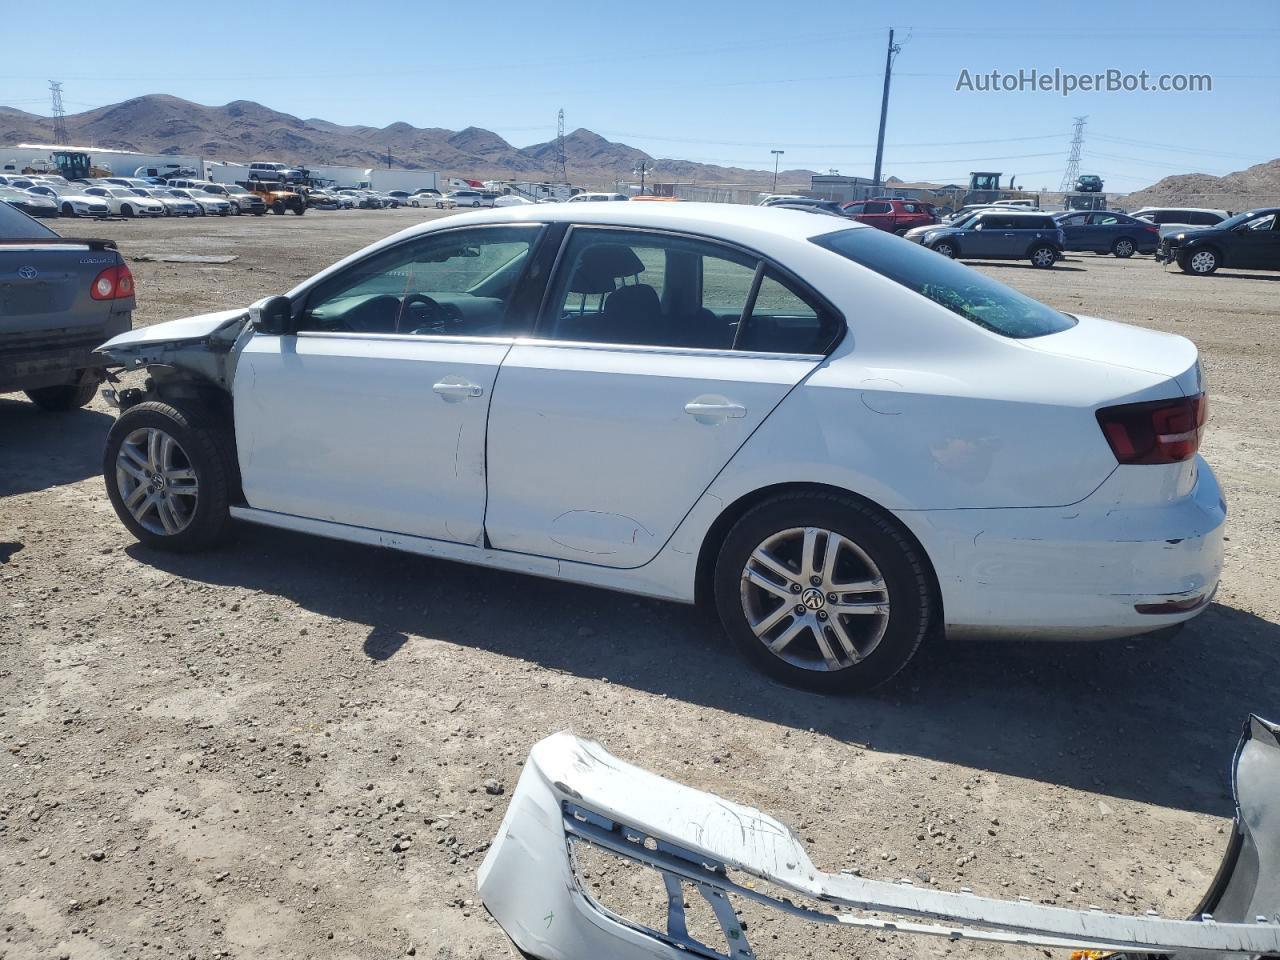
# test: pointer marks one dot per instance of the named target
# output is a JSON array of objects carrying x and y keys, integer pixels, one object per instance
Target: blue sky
[{"x": 716, "y": 82}]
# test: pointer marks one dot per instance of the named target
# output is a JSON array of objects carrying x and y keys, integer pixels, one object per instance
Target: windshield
[
  {"x": 962, "y": 290},
  {"x": 16, "y": 225},
  {"x": 1232, "y": 222}
]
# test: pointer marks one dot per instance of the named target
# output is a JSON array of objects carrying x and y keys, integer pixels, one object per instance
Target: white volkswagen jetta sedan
[{"x": 843, "y": 441}]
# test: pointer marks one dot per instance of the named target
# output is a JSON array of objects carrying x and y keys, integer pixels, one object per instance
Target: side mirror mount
[{"x": 272, "y": 315}]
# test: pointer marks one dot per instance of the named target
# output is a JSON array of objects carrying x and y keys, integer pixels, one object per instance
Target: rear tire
[
  {"x": 894, "y": 606},
  {"x": 199, "y": 458},
  {"x": 1123, "y": 248},
  {"x": 64, "y": 397},
  {"x": 277, "y": 208},
  {"x": 68, "y": 210},
  {"x": 126, "y": 211},
  {"x": 1043, "y": 257}
]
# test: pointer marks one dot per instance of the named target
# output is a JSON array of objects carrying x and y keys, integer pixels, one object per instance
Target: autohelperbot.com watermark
[{"x": 1065, "y": 83}]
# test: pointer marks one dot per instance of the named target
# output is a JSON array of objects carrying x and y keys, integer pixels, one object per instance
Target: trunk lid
[
  {"x": 45, "y": 287},
  {"x": 1132, "y": 348}
]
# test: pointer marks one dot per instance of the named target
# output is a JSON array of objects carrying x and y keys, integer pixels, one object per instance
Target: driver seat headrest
[{"x": 600, "y": 267}]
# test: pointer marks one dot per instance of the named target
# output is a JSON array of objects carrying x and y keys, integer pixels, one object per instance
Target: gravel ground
[{"x": 281, "y": 748}]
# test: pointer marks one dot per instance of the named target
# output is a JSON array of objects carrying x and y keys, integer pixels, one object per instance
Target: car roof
[
  {"x": 1177, "y": 210},
  {"x": 722, "y": 219},
  {"x": 766, "y": 230}
]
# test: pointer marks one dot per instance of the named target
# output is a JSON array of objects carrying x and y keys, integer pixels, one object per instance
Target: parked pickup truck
[{"x": 59, "y": 298}]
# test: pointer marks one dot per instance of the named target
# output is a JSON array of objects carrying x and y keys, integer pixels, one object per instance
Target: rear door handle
[
  {"x": 455, "y": 388},
  {"x": 714, "y": 409}
]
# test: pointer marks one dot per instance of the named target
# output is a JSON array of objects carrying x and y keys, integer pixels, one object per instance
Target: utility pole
[
  {"x": 884, "y": 104},
  {"x": 640, "y": 169},
  {"x": 1073, "y": 158},
  {"x": 777, "y": 154},
  {"x": 560, "y": 157},
  {"x": 59, "y": 123},
  {"x": 388, "y": 156}
]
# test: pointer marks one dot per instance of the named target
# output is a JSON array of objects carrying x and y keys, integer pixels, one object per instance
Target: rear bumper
[
  {"x": 1080, "y": 572},
  {"x": 26, "y": 363}
]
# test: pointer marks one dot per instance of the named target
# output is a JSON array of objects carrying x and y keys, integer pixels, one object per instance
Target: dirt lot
[{"x": 280, "y": 749}]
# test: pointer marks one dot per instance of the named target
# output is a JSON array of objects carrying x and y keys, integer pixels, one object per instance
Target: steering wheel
[
  {"x": 421, "y": 311},
  {"x": 429, "y": 316}
]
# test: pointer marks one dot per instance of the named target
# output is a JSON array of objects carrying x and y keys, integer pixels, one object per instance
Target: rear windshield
[
  {"x": 962, "y": 290},
  {"x": 16, "y": 225}
]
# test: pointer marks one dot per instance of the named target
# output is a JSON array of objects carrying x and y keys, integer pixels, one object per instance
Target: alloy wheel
[
  {"x": 815, "y": 599},
  {"x": 1203, "y": 262},
  {"x": 157, "y": 482},
  {"x": 1043, "y": 257},
  {"x": 1124, "y": 248}
]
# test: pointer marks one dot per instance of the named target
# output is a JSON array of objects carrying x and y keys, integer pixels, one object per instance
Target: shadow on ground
[
  {"x": 1152, "y": 719},
  {"x": 40, "y": 449}
]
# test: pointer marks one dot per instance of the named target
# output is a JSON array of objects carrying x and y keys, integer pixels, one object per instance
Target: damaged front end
[
  {"x": 189, "y": 358},
  {"x": 573, "y": 796}
]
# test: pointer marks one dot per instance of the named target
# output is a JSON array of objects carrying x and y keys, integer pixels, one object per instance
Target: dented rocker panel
[{"x": 572, "y": 791}]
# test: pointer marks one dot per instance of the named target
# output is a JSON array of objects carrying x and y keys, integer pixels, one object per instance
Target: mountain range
[
  {"x": 243, "y": 130},
  {"x": 1256, "y": 186}
]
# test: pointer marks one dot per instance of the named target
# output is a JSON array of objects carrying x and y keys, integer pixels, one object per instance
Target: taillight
[
  {"x": 1152, "y": 229},
  {"x": 113, "y": 283},
  {"x": 1161, "y": 431}
]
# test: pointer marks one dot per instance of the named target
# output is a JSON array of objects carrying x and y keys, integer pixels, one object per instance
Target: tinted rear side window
[
  {"x": 16, "y": 225},
  {"x": 962, "y": 290}
]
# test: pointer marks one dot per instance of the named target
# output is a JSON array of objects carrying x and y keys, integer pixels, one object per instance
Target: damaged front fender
[
  {"x": 201, "y": 345},
  {"x": 572, "y": 792}
]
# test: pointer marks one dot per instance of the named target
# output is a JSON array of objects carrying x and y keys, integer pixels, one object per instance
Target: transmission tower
[
  {"x": 560, "y": 160},
  {"x": 59, "y": 123},
  {"x": 1073, "y": 159}
]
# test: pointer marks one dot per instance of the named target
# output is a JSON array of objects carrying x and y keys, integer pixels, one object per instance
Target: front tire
[
  {"x": 823, "y": 591},
  {"x": 63, "y": 397},
  {"x": 167, "y": 474},
  {"x": 1199, "y": 262},
  {"x": 1123, "y": 248},
  {"x": 1043, "y": 257},
  {"x": 278, "y": 208},
  {"x": 945, "y": 248}
]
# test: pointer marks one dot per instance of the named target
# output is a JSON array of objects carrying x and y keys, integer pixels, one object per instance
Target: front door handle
[
  {"x": 455, "y": 388},
  {"x": 714, "y": 409}
]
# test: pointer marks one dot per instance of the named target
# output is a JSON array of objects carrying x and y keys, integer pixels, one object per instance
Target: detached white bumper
[
  {"x": 572, "y": 791},
  {"x": 1097, "y": 569}
]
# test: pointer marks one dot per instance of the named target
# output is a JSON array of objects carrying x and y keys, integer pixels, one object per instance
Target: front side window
[
  {"x": 962, "y": 290},
  {"x": 631, "y": 287},
  {"x": 453, "y": 283},
  {"x": 876, "y": 207}
]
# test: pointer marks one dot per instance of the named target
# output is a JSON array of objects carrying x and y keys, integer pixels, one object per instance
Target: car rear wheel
[
  {"x": 167, "y": 473},
  {"x": 126, "y": 211},
  {"x": 1044, "y": 257},
  {"x": 63, "y": 397},
  {"x": 278, "y": 208},
  {"x": 1200, "y": 262},
  {"x": 945, "y": 248},
  {"x": 68, "y": 210},
  {"x": 823, "y": 591},
  {"x": 1123, "y": 248}
]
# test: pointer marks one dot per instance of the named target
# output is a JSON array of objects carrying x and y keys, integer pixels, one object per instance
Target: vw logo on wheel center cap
[{"x": 813, "y": 599}]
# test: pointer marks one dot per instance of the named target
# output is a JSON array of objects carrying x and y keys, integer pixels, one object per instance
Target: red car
[{"x": 895, "y": 216}]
